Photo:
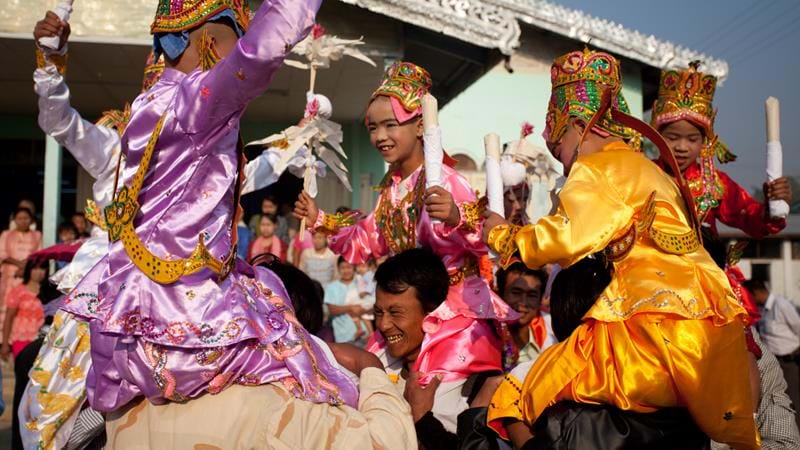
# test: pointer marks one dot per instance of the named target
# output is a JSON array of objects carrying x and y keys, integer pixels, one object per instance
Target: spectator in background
[
  {"x": 297, "y": 247},
  {"x": 24, "y": 312},
  {"x": 81, "y": 224},
  {"x": 780, "y": 331},
  {"x": 267, "y": 241},
  {"x": 269, "y": 205},
  {"x": 350, "y": 314},
  {"x": 319, "y": 262},
  {"x": 15, "y": 246},
  {"x": 67, "y": 233},
  {"x": 521, "y": 288},
  {"x": 30, "y": 206}
]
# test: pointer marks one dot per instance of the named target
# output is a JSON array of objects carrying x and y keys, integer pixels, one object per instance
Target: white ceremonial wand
[
  {"x": 432, "y": 139},
  {"x": 494, "y": 179},
  {"x": 63, "y": 10},
  {"x": 777, "y": 208},
  {"x": 320, "y": 49}
]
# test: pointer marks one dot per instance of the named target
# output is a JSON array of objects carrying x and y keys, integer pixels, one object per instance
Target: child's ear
[{"x": 420, "y": 127}]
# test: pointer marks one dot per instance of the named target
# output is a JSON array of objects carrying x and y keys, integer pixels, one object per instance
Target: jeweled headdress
[
  {"x": 152, "y": 71},
  {"x": 406, "y": 82},
  {"x": 688, "y": 95},
  {"x": 173, "y": 16},
  {"x": 578, "y": 79},
  {"x": 685, "y": 95}
]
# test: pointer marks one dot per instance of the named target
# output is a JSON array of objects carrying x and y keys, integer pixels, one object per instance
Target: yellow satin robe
[{"x": 667, "y": 332}]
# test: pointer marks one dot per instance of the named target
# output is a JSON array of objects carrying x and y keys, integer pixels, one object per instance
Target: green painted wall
[{"x": 362, "y": 158}]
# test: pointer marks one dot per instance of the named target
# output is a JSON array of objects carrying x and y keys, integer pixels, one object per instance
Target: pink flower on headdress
[
  {"x": 312, "y": 108},
  {"x": 527, "y": 130},
  {"x": 317, "y": 31}
]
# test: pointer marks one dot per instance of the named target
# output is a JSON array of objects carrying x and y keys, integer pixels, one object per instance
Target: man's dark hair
[
  {"x": 574, "y": 291},
  {"x": 501, "y": 277},
  {"x": 419, "y": 268},
  {"x": 342, "y": 210},
  {"x": 271, "y": 198},
  {"x": 755, "y": 285}
]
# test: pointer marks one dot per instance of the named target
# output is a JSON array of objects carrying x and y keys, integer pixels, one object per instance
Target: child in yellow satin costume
[{"x": 668, "y": 330}]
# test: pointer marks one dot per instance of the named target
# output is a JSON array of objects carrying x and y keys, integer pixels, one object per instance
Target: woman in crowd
[
  {"x": 24, "y": 313},
  {"x": 15, "y": 246}
]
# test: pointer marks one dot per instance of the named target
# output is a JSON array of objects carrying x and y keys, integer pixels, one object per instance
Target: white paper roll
[
  {"x": 772, "y": 108},
  {"x": 778, "y": 209},
  {"x": 63, "y": 10},
  {"x": 432, "y": 138},
  {"x": 494, "y": 178}
]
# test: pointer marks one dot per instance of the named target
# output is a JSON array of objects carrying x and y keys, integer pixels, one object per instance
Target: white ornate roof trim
[
  {"x": 610, "y": 36},
  {"x": 494, "y": 24},
  {"x": 477, "y": 22}
]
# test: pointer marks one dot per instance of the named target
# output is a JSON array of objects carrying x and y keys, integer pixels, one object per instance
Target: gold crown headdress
[
  {"x": 173, "y": 16},
  {"x": 406, "y": 82}
]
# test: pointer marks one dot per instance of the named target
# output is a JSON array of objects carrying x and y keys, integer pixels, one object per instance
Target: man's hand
[
  {"x": 440, "y": 205},
  {"x": 779, "y": 189},
  {"x": 306, "y": 208},
  {"x": 353, "y": 358},
  {"x": 420, "y": 398},
  {"x": 52, "y": 26},
  {"x": 491, "y": 220}
]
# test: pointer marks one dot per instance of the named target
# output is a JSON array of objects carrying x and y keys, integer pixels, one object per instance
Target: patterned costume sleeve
[
  {"x": 356, "y": 241},
  {"x": 468, "y": 232},
  {"x": 740, "y": 210},
  {"x": 208, "y": 101},
  {"x": 91, "y": 145},
  {"x": 590, "y": 215}
]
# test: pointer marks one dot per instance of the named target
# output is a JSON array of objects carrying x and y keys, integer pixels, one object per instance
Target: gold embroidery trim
[
  {"x": 677, "y": 244},
  {"x": 95, "y": 215},
  {"x": 502, "y": 241},
  {"x": 473, "y": 213},
  {"x": 119, "y": 217},
  {"x": 60, "y": 61},
  {"x": 331, "y": 223}
]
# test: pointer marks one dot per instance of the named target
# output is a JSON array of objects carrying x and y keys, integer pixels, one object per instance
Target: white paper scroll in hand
[
  {"x": 494, "y": 178},
  {"x": 63, "y": 10},
  {"x": 432, "y": 137},
  {"x": 778, "y": 209}
]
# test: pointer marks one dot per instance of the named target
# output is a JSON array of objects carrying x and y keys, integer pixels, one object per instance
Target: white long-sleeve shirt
[{"x": 780, "y": 326}]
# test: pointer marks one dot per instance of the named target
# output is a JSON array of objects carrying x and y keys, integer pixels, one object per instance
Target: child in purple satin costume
[{"x": 210, "y": 327}]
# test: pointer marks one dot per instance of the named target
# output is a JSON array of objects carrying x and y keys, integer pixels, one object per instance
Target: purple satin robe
[{"x": 199, "y": 334}]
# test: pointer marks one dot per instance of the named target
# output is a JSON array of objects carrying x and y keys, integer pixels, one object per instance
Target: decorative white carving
[
  {"x": 494, "y": 24},
  {"x": 609, "y": 36},
  {"x": 473, "y": 21}
]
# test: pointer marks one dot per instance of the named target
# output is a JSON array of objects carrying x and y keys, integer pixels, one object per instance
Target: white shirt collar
[{"x": 770, "y": 301}]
